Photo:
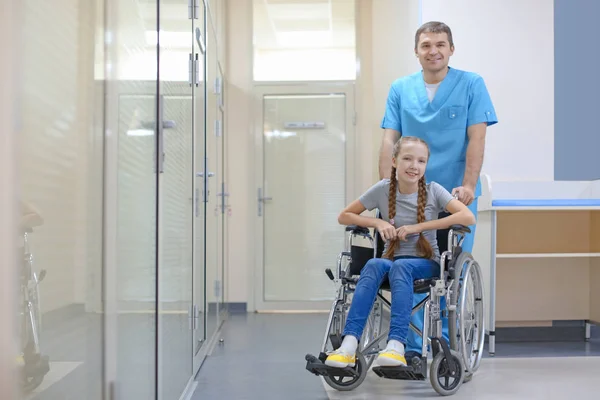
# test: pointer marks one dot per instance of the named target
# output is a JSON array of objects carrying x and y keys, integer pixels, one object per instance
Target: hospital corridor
[{"x": 299, "y": 200}]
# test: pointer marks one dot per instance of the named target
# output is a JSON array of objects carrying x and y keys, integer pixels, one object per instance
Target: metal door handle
[
  {"x": 200, "y": 41},
  {"x": 201, "y": 174},
  {"x": 166, "y": 124},
  {"x": 261, "y": 200},
  {"x": 160, "y": 131}
]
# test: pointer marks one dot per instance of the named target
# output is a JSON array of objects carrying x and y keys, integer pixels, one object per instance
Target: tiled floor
[
  {"x": 498, "y": 379},
  {"x": 73, "y": 342},
  {"x": 262, "y": 357}
]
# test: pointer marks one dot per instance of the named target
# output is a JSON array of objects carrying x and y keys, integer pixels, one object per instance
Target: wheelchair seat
[
  {"x": 361, "y": 255},
  {"x": 419, "y": 285}
]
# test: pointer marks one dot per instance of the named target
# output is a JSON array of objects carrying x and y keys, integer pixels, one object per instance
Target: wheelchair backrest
[{"x": 360, "y": 255}]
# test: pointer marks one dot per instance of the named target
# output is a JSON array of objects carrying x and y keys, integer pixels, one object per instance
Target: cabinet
[{"x": 540, "y": 259}]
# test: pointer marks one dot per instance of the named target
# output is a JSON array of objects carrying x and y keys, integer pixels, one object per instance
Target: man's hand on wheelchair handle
[{"x": 464, "y": 194}]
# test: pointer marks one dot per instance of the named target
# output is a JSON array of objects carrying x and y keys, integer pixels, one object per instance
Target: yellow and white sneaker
[
  {"x": 391, "y": 358},
  {"x": 340, "y": 359}
]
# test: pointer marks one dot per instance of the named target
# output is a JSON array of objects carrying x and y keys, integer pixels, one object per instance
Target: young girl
[{"x": 409, "y": 209}]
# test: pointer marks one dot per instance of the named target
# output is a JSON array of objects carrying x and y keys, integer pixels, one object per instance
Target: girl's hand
[
  {"x": 386, "y": 230},
  {"x": 406, "y": 230}
]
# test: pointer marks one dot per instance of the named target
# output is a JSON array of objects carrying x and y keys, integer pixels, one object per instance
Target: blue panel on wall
[{"x": 576, "y": 90}]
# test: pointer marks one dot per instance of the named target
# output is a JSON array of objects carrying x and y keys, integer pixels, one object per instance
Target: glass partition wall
[
  {"x": 118, "y": 139},
  {"x": 59, "y": 147}
]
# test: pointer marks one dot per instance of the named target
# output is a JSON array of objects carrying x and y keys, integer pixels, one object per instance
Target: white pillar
[{"x": 9, "y": 45}]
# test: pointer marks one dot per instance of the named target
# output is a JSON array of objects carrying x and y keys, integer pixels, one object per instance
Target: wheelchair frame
[
  {"x": 450, "y": 360},
  {"x": 35, "y": 365}
]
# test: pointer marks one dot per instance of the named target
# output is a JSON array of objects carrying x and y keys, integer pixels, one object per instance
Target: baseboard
[
  {"x": 560, "y": 331},
  {"x": 66, "y": 313},
  {"x": 237, "y": 308},
  {"x": 62, "y": 315},
  {"x": 232, "y": 308}
]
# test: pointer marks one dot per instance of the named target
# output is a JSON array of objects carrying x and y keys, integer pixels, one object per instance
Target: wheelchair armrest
[
  {"x": 460, "y": 229},
  {"x": 359, "y": 230}
]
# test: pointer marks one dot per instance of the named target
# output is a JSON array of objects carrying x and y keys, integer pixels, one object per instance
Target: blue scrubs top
[{"x": 461, "y": 100}]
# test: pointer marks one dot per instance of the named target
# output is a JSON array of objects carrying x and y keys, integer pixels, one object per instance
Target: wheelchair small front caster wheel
[
  {"x": 31, "y": 383},
  {"x": 444, "y": 382},
  {"x": 221, "y": 341},
  {"x": 468, "y": 377},
  {"x": 347, "y": 383}
]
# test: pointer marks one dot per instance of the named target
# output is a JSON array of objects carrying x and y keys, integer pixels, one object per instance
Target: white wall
[
  {"x": 595, "y": 189},
  {"x": 511, "y": 44},
  {"x": 241, "y": 149},
  {"x": 392, "y": 30}
]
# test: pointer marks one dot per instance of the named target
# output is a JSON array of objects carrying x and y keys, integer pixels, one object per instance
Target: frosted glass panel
[
  {"x": 305, "y": 177},
  {"x": 213, "y": 214},
  {"x": 136, "y": 268},
  {"x": 175, "y": 224},
  {"x": 305, "y": 65},
  {"x": 137, "y": 201}
]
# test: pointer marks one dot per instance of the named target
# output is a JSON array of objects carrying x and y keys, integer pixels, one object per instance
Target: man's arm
[
  {"x": 390, "y": 137},
  {"x": 481, "y": 114},
  {"x": 475, "y": 150}
]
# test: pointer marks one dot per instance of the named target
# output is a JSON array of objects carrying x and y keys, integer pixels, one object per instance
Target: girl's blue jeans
[{"x": 401, "y": 273}]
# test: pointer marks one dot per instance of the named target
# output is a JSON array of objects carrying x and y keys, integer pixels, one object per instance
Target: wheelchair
[
  {"x": 34, "y": 366},
  {"x": 460, "y": 283}
]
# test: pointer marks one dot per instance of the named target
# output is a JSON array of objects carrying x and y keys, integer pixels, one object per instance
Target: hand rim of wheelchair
[{"x": 456, "y": 319}]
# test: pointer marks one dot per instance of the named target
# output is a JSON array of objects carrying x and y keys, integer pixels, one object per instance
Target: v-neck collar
[{"x": 443, "y": 90}]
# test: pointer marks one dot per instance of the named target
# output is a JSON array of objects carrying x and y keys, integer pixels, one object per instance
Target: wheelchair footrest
[
  {"x": 317, "y": 366},
  {"x": 412, "y": 372}
]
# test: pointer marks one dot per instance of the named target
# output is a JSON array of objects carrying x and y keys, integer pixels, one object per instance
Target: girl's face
[{"x": 411, "y": 162}]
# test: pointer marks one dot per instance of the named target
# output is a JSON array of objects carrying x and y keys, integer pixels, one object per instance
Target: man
[{"x": 450, "y": 109}]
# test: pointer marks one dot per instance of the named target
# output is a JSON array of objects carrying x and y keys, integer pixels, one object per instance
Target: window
[{"x": 301, "y": 40}]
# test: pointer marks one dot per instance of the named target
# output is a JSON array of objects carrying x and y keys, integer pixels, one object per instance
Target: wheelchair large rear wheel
[
  {"x": 466, "y": 322},
  {"x": 373, "y": 328}
]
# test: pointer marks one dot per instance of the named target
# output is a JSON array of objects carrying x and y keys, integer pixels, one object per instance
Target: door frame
[{"x": 255, "y": 300}]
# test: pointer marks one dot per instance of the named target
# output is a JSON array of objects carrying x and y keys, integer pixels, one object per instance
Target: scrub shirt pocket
[{"x": 453, "y": 117}]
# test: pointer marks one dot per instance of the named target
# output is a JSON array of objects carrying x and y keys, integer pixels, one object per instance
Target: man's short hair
[{"x": 434, "y": 27}]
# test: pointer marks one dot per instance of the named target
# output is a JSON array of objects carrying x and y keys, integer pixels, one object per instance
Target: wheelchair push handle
[{"x": 460, "y": 229}]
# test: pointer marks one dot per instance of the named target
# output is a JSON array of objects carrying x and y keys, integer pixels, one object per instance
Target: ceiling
[
  {"x": 277, "y": 24},
  {"x": 308, "y": 24}
]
